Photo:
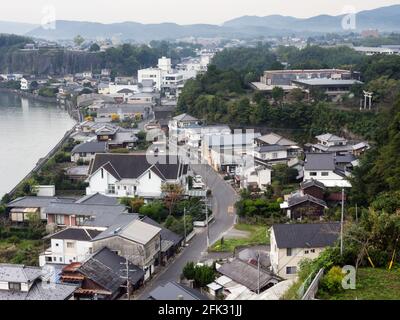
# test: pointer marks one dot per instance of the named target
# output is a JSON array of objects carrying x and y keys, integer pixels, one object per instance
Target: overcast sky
[{"x": 178, "y": 11}]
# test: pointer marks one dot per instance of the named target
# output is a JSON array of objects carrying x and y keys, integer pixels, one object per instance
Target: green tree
[
  {"x": 79, "y": 40},
  {"x": 94, "y": 48},
  {"x": 278, "y": 94}
]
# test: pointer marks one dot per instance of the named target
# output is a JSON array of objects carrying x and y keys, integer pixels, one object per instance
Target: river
[{"x": 28, "y": 131}]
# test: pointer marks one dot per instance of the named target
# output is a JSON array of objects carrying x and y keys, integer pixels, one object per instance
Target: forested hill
[{"x": 122, "y": 60}]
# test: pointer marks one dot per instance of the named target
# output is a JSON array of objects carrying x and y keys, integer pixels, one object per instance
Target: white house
[
  {"x": 86, "y": 151},
  {"x": 272, "y": 153},
  {"x": 291, "y": 243},
  {"x": 153, "y": 74},
  {"x": 322, "y": 167},
  {"x": 68, "y": 246},
  {"x": 122, "y": 175},
  {"x": 331, "y": 143},
  {"x": 256, "y": 176}
]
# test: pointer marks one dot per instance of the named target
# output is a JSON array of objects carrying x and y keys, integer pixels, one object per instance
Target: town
[{"x": 208, "y": 174}]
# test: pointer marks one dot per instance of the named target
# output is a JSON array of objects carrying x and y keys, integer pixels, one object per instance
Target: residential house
[
  {"x": 85, "y": 152},
  {"x": 248, "y": 275},
  {"x": 272, "y": 154},
  {"x": 273, "y": 139},
  {"x": 19, "y": 282},
  {"x": 331, "y": 143},
  {"x": 102, "y": 276},
  {"x": 258, "y": 177},
  {"x": 313, "y": 188},
  {"x": 322, "y": 167},
  {"x": 139, "y": 242},
  {"x": 23, "y": 209},
  {"x": 116, "y": 137},
  {"x": 290, "y": 243},
  {"x": 175, "y": 291},
  {"x": 304, "y": 206},
  {"x": 227, "y": 152},
  {"x": 62, "y": 215},
  {"x": 69, "y": 245},
  {"x": 78, "y": 173},
  {"x": 122, "y": 175},
  {"x": 179, "y": 124}
]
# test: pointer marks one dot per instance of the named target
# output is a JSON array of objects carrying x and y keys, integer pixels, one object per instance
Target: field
[
  {"x": 250, "y": 235},
  {"x": 372, "y": 284}
]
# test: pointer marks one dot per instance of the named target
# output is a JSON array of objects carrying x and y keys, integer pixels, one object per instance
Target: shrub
[
  {"x": 189, "y": 271},
  {"x": 332, "y": 281}
]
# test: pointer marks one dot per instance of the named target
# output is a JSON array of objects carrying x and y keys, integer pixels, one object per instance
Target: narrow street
[{"x": 224, "y": 198}]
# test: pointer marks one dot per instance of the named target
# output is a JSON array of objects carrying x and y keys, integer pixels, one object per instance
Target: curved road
[{"x": 224, "y": 198}]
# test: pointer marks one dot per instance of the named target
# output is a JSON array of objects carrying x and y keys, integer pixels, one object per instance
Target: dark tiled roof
[
  {"x": 272, "y": 148},
  {"x": 312, "y": 183},
  {"x": 296, "y": 200},
  {"x": 90, "y": 147},
  {"x": 132, "y": 166},
  {"x": 36, "y": 202},
  {"x": 105, "y": 268},
  {"x": 311, "y": 235},
  {"x": 78, "y": 234},
  {"x": 245, "y": 274},
  {"x": 320, "y": 161},
  {"x": 84, "y": 209},
  {"x": 98, "y": 199},
  {"x": 172, "y": 290}
]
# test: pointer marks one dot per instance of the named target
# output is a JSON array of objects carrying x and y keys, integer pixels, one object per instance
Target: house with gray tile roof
[
  {"x": 19, "y": 282},
  {"x": 291, "y": 243},
  {"x": 175, "y": 291},
  {"x": 86, "y": 151},
  {"x": 101, "y": 276},
  {"x": 134, "y": 175}
]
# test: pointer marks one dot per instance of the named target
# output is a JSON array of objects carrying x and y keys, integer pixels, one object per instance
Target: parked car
[{"x": 198, "y": 182}]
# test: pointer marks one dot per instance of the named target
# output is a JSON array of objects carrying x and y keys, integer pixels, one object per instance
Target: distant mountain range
[{"x": 383, "y": 19}]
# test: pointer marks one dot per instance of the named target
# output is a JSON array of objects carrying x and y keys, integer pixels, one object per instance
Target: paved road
[{"x": 224, "y": 197}]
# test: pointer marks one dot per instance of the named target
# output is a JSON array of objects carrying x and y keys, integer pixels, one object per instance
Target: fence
[{"x": 313, "y": 287}]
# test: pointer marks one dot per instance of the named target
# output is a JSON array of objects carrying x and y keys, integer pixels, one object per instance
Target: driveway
[{"x": 223, "y": 200}]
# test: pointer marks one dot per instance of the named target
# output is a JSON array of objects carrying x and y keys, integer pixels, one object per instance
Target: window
[
  {"x": 79, "y": 220},
  {"x": 102, "y": 173},
  {"x": 70, "y": 245},
  {"x": 312, "y": 250},
  {"x": 60, "y": 219},
  {"x": 289, "y": 252},
  {"x": 306, "y": 251},
  {"x": 111, "y": 188},
  {"x": 60, "y": 259},
  {"x": 274, "y": 155},
  {"x": 313, "y": 174},
  {"x": 325, "y": 174},
  {"x": 149, "y": 174},
  {"x": 291, "y": 270},
  {"x": 14, "y": 286}
]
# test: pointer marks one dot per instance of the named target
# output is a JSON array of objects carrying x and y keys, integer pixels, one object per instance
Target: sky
[{"x": 178, "y": 11}]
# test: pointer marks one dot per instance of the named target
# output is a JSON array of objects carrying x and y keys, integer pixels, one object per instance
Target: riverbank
[{"x": 29, "y": 95}]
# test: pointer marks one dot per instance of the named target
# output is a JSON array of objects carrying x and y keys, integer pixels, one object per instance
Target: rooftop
[
  {"x": 78, "y": 234},
  {"x": 327, "y": 82},
  {"x": 307, "y": 235},
  {"x": 320, "y": 161},
  {"x": 90, "y": 147},
  {"x": 173, "y": 291}
]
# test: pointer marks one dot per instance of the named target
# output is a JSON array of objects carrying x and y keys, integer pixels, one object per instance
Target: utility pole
[
  {"x": 341, "y": 224},
  {"x": 206, "y": 208},
  {"x": 126, "y": 277},
  {"x": 184, "y": 223}
]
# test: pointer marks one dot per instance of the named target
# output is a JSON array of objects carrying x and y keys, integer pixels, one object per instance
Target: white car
[{"x": 198, "y": 183}]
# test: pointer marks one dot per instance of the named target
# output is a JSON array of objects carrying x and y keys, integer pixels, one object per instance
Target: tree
[
  {"x": 78, "y": 40},
  {"x": 278, "y": 94},
  {"x": 155, "y": 210},
  {"x": 94, "y": 48},
  {"x": 173, "y": 193},
  {"x": 115, "y": 117},
  {"x": 296, "y": 95}
]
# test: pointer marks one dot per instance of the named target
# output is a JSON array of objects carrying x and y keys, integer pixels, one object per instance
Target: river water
[{"x": 28, "y": 131}]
